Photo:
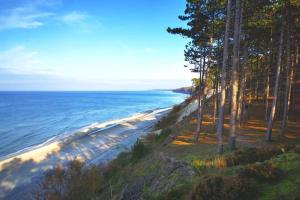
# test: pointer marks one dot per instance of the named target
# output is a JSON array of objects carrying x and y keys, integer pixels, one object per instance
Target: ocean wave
[{"x": 94, "y": 128}]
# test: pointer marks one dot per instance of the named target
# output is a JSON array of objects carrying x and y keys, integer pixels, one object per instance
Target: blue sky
[{"x": 91, "y": 45}]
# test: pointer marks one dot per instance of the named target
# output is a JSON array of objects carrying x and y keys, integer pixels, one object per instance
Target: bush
[
  {"x": 165, "y": 133},
  {"x": 114, "y": 166},
  {"x": 138, "y": 151},
  {"x": 252, "y": 155},
  {"x": 75, "y": 182},
  {"x": 168, "y": 120},
  {"x": 176, "y": 108},
  {"x": 222, "y": 188},
  {"x": 297, "y": 149},
  {"x": 202, "y": 165},
  {"x": 261, "y": 172},
  {"x": 175, "y": 194}
]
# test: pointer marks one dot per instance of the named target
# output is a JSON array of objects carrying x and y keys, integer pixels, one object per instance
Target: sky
[{"x": 91, "y": 45}]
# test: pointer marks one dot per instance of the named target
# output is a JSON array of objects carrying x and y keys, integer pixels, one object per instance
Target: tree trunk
[
  {"x": 215, "y": 100},
  {"x": 288, "y": 77},
  {"x": 200, "y": 99},
  {"x": 267, "y": 92},
  {"x": 199, "y": 107},
  {"x": 242, "y": 86},
  {"x": 294, "y": 75},
  {"x": 278, "y": 66},
  {"x": 220, "y": 128},
  {"x": 234, "y": 76},
  {"x": 291, "y": 83}
]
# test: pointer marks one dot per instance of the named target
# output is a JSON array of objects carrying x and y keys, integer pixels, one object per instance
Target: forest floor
[
  {"x": 167, "y": 164},
  {"x": 175, "y": 163}
]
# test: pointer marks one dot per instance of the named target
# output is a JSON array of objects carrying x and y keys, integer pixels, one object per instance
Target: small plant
[
  {"x": 202, "y": 165},
  {"x": 251, "y": 155},
  {"x": 114, "y": 166},
  {"x": 177, "y": 193},
  {"x": 261, "y": 172},
  {"x": 225, "y": 188},
  {"x": 138, "y": 151},
  {"x": 163, "y": 135},
  {"x": 77, "y": 181}
]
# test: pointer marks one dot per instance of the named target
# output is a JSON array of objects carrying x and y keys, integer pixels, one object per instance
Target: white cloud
[
  {"x": 20, "y": 60},
  {"x": 27, "y": 16},
  {"x": 81, "y": 21},
  {"x": 74, "y": 17}
]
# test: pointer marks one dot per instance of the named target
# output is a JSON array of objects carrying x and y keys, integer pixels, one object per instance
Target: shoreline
[
  {"x": 93, "y": 145},
  {"x": 81, "y": 132}
]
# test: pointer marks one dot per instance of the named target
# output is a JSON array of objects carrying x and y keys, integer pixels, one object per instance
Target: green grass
[{"x": 289, "y": 186}]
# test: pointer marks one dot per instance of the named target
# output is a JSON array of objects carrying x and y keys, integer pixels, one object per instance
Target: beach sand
[{"x": 19, "y": 174}]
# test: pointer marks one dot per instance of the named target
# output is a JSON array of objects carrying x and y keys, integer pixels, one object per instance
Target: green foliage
[
  {"x": 169, "y": 119},
  {"x": 203, "y": 165},
  {"x": 164, "y": 134},
  {"x": 177, "y": 193},
  {"x": 288, "y": 162},
  {"x": 289, "y": 186},
  {"x": 138, "y": 151},
  {"x": 251, "y": 155},
  {"x": 261, "y": 172},
  {"x": 116, "y": 165},
  {"x": 75, "y": 182},
  {"x": 216, "y": 187}
]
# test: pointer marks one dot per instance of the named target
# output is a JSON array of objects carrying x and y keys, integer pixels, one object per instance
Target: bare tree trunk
[
  {"x": 199, "y": 107},
  {"x": 267, "y": 92},
  {"x": 242, "y": 86},
  {"x": 256, "y": 81},
  {"x": 200, "y": 99},
  {"x": 294, "y": 77},
  {"x": 288, "y": 77},
  {"x": 234, "y": 76},
  {"x": 273, "y": 108},
  {"x": 291, "y": 83},
  {"x": 220, "y": 128},
  {"x": 242, "y": 71},
  {"x": 215, "y": 100}
]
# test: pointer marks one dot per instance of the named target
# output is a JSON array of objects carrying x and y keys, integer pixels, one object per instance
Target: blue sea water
[{"x": 31, "y": 118}]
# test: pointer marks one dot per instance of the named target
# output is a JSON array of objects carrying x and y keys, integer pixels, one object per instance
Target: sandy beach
[{"x": 20, "y": 173}]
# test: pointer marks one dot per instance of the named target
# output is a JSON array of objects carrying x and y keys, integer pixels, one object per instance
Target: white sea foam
[{"x": 84, "y": 131}]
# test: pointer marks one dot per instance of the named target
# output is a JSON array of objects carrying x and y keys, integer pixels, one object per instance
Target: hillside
[{"x": 168, "y": 164}]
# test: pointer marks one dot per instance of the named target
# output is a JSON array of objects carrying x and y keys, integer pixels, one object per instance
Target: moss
[
  {"x": 287, "y": 161},
  {"x": 289, "y": 187},
  {"x": 285, "y": 189}
]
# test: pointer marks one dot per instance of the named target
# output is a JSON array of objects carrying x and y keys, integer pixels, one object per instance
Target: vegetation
[
  {"x": 263, "y": 51},
  {"x": 219, "y": 187},
  {"x": 241, "y": 143}
]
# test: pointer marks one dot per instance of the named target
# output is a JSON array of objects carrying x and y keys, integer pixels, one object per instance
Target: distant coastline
[{"x": 183, "y": 90}]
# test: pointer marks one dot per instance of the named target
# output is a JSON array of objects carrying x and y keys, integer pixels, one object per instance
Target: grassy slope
[{"x": 167, "y": 171}]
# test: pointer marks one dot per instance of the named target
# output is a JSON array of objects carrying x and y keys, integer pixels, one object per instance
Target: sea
[{"x": 31, "y": 119}]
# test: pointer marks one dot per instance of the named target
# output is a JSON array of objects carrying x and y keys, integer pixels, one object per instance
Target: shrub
[
  {"x": 297, "y": 149},
  {"x": 175, "y": 194},
  {"x": 261, "y": 172},
  {"x": 251, "y": 155},
  {"x": 114, "y": 166},
  {"x": 176, "y": 108},
  {"x": 202, "y": 165},
  {"x": 169, "y": 119},
  {"x": 165, "y": 133},
  {"x": 222, "y": 188},
  {"x": 138, "y": 151},
  {"x": 75, "y": 182}
]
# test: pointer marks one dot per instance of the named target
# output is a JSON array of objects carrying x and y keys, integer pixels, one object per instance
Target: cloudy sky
[{"x": 91, "y": 45}]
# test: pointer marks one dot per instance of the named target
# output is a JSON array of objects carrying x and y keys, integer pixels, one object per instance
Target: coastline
[{"x": 94, "y": 144}]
